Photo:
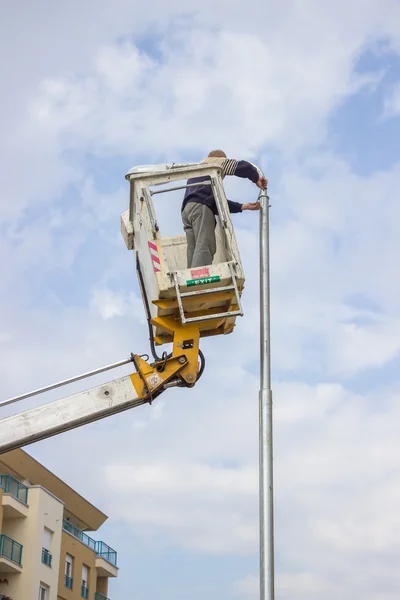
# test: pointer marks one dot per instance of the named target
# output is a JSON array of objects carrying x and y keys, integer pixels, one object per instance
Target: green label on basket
[{"x": 203, "y": 280}]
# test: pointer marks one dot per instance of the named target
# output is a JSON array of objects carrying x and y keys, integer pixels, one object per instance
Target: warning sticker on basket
[
  {"x": 203, "y": 280},
  {"x": 203, "y": 272}
]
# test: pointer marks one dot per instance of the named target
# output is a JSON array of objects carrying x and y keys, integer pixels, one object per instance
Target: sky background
[{"x": 310, "y": 91}]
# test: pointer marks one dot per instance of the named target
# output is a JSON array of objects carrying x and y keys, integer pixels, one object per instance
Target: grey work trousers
[{"x": 199, "y": 226}]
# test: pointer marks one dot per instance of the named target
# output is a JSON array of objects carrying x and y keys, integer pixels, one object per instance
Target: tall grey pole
[{"x": 267, "y": 584}]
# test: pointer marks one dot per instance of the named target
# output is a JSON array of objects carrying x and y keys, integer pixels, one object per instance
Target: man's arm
[
  {"x": 244, "y": 169},
  {"x": 236, "y": 207},
  {"x": 240, "y": 168}
]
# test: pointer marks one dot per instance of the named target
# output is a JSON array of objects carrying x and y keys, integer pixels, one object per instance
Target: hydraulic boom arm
[
  {"x": 70, "y": 412},
  {"x": 180, "y": 368}
]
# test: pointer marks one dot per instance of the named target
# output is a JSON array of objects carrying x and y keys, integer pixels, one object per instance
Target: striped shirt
[{"x": 203, "y": 193}]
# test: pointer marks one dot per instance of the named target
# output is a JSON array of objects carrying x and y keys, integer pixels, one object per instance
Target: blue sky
[
  {"x": 310, "y": 92},
  {"x": 359, "y": 130}
]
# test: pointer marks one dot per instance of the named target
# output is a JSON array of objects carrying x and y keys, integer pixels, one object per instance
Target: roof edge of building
[{"x": 26, "y": 467}]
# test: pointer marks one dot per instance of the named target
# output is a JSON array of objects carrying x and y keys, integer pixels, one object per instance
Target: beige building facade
[{"x": 45, "y": 550}]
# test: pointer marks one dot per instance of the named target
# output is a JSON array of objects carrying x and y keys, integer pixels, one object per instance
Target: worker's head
[{"x": 217, "y": 154}]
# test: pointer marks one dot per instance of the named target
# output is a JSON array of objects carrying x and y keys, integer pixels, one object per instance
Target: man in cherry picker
[{"x": 199, "y": 208}]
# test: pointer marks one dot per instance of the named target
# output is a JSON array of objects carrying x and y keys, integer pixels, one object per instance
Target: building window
[
  {"x": 43, "y": 592},
  {"x": 47, "y": 539},
  {"x": 46, "y": 557},
  {"x": 85, "y": 582},
  {"x": 46, "y": 548},
  {"x": 68, "y": 581}
]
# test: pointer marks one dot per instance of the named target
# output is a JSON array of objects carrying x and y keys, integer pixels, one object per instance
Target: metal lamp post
[{"x": 266, "y": 501}]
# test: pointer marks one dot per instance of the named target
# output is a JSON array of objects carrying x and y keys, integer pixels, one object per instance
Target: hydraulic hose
[{"x": 164, "y": 356}]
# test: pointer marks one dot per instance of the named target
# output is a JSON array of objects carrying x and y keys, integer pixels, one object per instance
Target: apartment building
[{"x": 45, "y": 550}]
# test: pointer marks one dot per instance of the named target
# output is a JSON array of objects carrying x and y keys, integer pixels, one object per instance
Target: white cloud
[
  {"x": 104, "y": 97},
  {"x": 203, "y": 519},
  {"x": 303, "y": 585},
  {"x": 328, "y": 442},
  {"x": 110, "y": 304},
  {"x": 130, "y": 100},
  {"x": 248, "y": 587},
  {"x": 327, "y": 250},
  {"x": 115, "y": 105}
]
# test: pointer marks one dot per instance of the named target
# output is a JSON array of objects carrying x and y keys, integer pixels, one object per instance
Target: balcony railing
[
  {"x": 104, "y": 551},
  {"x": 68, "y": 581},
  {"x": 14, "y": 487},
  {"x": 101, "y": 549},
  {"x": 84, "y": 592},
  {"x": 80, "y": 535},
  {"x": 99, "y": 596},
  {"x": 46, "y": 557},
  {"x": 10, "y": 549}
]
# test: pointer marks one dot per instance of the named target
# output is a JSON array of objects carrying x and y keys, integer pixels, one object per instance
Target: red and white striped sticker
[{"x": 155, "y": 257}]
